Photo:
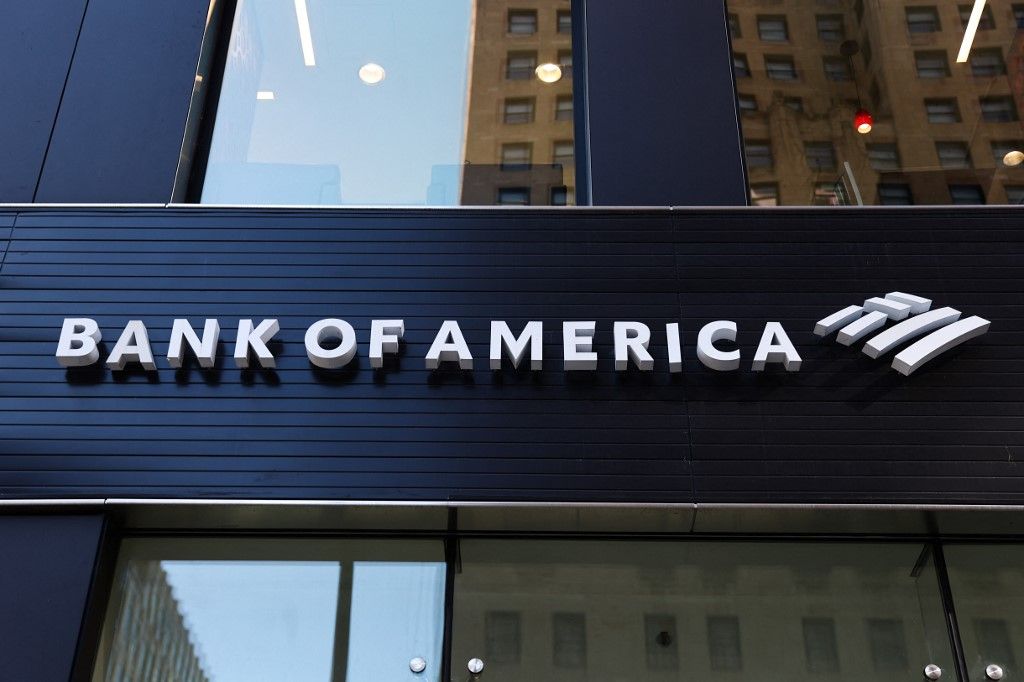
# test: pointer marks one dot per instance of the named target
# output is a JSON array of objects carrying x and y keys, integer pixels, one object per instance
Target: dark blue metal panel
[
  {"x": 37, "y": 40},
  {"x": 845, "y": 428},
  {"x": 299, "y": 432},
  {"x": 119, "y": 130},
  {"x": 45, "y": 573},
  {"x": 663, "y": 127}
]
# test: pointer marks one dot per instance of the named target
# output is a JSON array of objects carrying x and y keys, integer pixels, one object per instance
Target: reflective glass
[
  {"x": 988, "y": 593},
  {"x": 547, "y": 610},
  {"x": 391, "y": 102},
  {"x": 227, "y": 610},
  {"x": 880, "y": 74}
]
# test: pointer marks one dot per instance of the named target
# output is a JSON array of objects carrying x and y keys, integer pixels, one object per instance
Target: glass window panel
[
  {"x": 748, "y": 104},
  {"x": 235, "y": 610},
  {"x": 522, "y": 22},
  {"x": 987, "y": 23},
  {"x": 830, "y": 27},
  {"x": 987, "y": 62},
  {"x": 740, "y": 65},
  {"x": 519, "y": 110},
  {"x": 724, "y": 648},
  {"x": 987, "y": 582},
  {"x": 772, "y": 28},
  {"x": 520, "y": 66},
  {"x": 564, "y": 19},
  {"x": 759, "y": 154},
  {"x": 837, "y": 68},
  {"x": 794, "y": 103},
  {"x": 821, "y": 651},
  {"x": 1015, "y": 194},
  {"x": 563, "y": 108},
  {"x": 953, "y": 154},
  {"x": 683, "y": 610},
  {"x": 820, "y": 156},
  {"x": 565, "y": 61},
  {"x": 780, "y": 67},
  {"x": 998, "y": 109},
  {"x": 884, "y": 157},
  {"x": 661, "y": 642},
  {"x": 516, "y": 156},
  {"x": 829, "y": 194},
  {"x": 502, "y": 636},
  {"x": 888, "y": 645},
  {"x": 966, "y": 194},
  {"x": 563, "y": 152},
  {"x": 923, "y": 20},
  {"x": 734, "y": 26},
  {"x": 385, "y": 102},
  {"x": 764, "y": 194},
  {"x": 931, "y": 64},
  {"x": 894, "y": 194},
  {"x": 1018, "y": 15},
  {"x": 942, "y": 110},
  {"x": 515, "y": 196}
]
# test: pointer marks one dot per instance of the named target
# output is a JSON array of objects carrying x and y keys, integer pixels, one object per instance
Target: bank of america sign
[{"x": 332, "y": 343}]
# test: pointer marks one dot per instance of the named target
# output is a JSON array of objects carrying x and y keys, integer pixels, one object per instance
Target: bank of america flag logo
[{"x": 914, "y": 317}]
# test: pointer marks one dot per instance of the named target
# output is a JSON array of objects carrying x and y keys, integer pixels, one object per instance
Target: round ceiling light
[
  {"x": 863, "y": 121},
  {"x": 1013, "y": 158},
  {"x": 371, "y": 73},
  {"x": 549, "y": 73}
]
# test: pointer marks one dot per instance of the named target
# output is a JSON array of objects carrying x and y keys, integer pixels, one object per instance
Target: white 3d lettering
[{"x": 78, "y": 345}]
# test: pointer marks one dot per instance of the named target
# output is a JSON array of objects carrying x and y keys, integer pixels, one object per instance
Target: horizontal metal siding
[
  {"x": 301, "y": 432},
  {"x": 846, "y": 428}
]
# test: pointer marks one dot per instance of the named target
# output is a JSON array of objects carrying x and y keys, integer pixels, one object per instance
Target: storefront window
[
  {"x": 584, "y": 610},
  {"x": 987, "y": 582},
  {"x": 225, "y": 610},
  {"x": 883, "y": 82},
  {"x": 388, "y": 102}
]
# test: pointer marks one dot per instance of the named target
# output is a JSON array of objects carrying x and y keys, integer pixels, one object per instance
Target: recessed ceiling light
[
  {"x": 1013, "y": 158},
  {"x": 371, "y": 73},
  {"x": 970, "y": 30},
  {"x": 264, "y": 94},
  {"x": 549, "y": 73},
  {"x": 305, "y": 36}
]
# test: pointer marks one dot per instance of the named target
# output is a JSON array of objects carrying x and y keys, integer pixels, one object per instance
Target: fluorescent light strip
[
  {"x": 972, "y": 28},
  {"x": 304, "y": 35},
  {"x": 264, "y": 94}
]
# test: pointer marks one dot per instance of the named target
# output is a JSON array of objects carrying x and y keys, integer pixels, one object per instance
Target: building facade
[{"x": 498, "y": 340}]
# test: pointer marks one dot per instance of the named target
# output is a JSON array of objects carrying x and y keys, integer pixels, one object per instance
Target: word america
[{"x": 79, "y": 339}]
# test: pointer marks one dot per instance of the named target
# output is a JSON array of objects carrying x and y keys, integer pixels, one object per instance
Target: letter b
[{"x": 77, "y": 346}]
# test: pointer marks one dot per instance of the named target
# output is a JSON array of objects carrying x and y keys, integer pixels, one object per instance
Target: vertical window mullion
[
  {"x": 948, "y": 608},
  {"x": 452, "y": 566}
]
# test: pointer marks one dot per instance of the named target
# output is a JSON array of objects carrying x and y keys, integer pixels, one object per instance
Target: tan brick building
[
  {"x": 941, "y": 128},
  {"x": 519, "y": 132}
]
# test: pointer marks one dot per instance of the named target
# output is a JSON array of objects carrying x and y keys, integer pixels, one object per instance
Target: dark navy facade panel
[
  {"x": 844, "y": 428},
  {"x": 45, "y": 574},
  {"x": 37, "y": 41},
  {"x": 662, "y": 121},
  {"x": 119, "y": 131}
]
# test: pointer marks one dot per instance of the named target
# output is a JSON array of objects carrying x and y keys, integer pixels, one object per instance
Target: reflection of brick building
[
  {"x": 941, "y": 128},
  {"x": 515, "y": 120},
  {"x": 150, "y": 639}
]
